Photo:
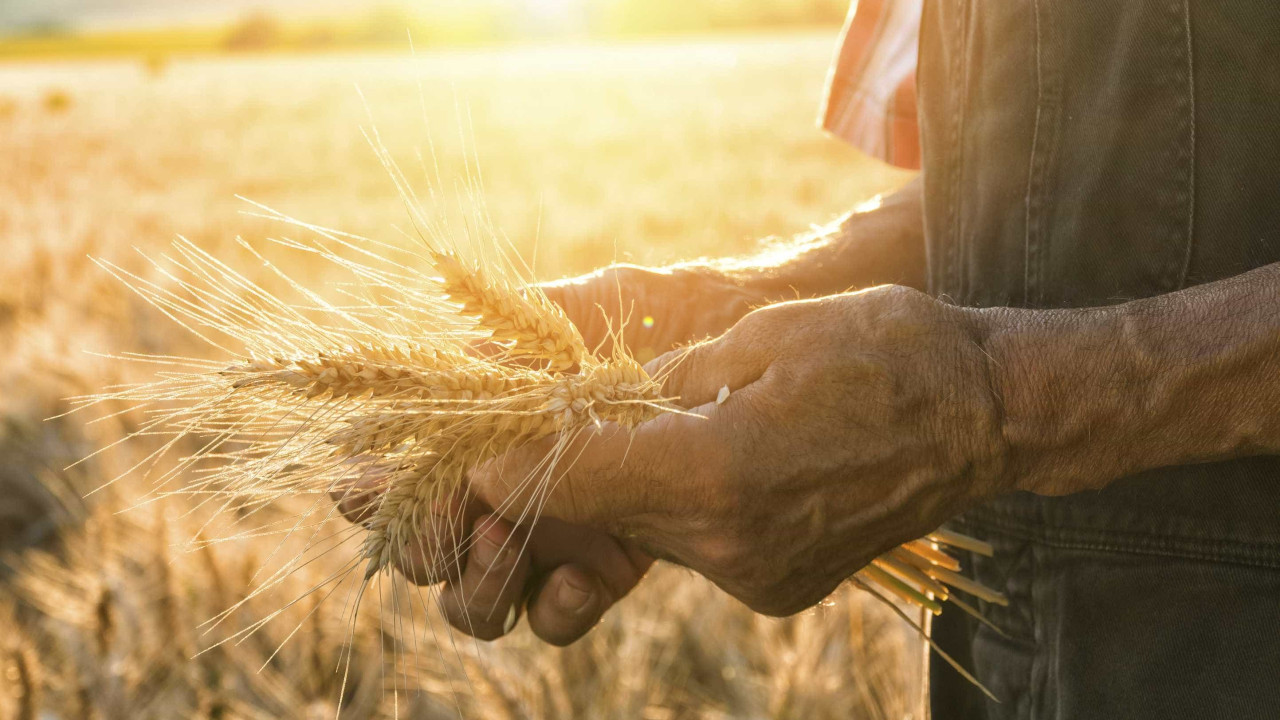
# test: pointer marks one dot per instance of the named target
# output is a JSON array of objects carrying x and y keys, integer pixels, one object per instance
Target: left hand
[
  {"x": 656, "y": 309},
  {"x": 855, "y": 422},
  {"x": 568, "y": 575}
]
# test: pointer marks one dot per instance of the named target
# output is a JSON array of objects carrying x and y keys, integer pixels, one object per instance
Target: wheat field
[{"x": 647, "y": 152}]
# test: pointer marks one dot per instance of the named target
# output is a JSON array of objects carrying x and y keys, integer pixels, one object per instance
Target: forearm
[
  {"x": 883, "y": 245},
  {"x": 1093, "y": 395}
]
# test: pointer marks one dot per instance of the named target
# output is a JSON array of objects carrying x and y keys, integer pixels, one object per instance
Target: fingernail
[
  {"x": 573, "y": 596},
  {"x": 491, "y": 548}
]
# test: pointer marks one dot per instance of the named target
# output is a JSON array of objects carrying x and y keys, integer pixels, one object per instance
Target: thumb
[
  {"x": 696, "y": 374},
  {"x": 600, "y": 475},
  {"x": 580, "y": 480}
]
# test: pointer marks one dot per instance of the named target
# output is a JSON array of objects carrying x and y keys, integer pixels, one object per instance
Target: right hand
[{"x": 684, "y": 304}]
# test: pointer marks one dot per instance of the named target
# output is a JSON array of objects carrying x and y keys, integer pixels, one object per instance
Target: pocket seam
[{"x": 1262, "y": 554}]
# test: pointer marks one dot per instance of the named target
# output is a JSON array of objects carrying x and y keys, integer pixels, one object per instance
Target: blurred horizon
[
  {"x": 53, "y": 28},
  {"x": 574, "y": 155}
]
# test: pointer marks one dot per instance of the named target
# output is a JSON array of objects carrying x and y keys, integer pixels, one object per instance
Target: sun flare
[{"x": 554, "y": 10}]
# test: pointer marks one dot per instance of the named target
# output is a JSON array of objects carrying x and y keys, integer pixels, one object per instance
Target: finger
[
  {"x": 485, "y": 601},
  {"x": 569, "y": 603},
  {"x": 620, "y": 564},
  {"x": 695, "y": 374},
  {"x": 560, "y": 292},
  {"x": 432, "y": 554},
  {"x": 594, "y": 477},
  {"x": 576, "y": 297},
  {"x": 357, "y": 497},
  {"x": 604, "y": 474},
  {"x": 585, "y": 562}
]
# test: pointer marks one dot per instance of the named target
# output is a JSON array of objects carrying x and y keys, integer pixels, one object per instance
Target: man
[{"x": 1091, "y": 383}]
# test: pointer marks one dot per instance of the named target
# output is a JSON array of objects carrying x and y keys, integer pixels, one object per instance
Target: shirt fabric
[
  {"x": 871, "y": 89},
  {"x": 1080, "y": 155}
]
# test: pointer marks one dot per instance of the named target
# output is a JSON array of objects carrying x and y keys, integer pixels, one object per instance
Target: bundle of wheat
[{"x": 388, "y": 387}]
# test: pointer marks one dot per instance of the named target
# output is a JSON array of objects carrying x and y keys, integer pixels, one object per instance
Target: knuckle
[
  {"x": 615, "y": 273},
  {"x": 897, "y": 297},
  {"x": 563, "y": 632},
  {"x": 728, "y": 555},
  {"x": 476, "y": 622},
  {"x": 899, "y": 292},
  {"x": 486, "y": 631},
  {"x": 424, "y": 571},
  {"x": 779, "y": 314},
  {"x": 751, "y": 327},
  {"x": 784, "y": 597},
  {"x": 774, "y": 604},
  {"x": 905, "y": 302},
  {"x": 624, "y": 272},
  {"x": 606, "y": 283}
]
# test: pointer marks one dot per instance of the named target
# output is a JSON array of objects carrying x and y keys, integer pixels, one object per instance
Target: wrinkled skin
[
  {"x": 855, "y": 422},
  {"x": 684, "y": 304},
  {"x": 569, "y": 573}
]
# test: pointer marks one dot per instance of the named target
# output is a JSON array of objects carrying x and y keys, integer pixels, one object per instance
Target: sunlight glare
[{"x": 554, "y": 10}]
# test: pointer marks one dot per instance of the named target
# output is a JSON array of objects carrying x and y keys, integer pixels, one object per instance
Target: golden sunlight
[{"x": 560, "y": 11}]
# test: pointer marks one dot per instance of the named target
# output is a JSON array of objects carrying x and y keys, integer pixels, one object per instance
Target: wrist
[
  {"x": 728, "y": 293},
  {"x": 1038, "y": 451},
  {"x": 880, "y": 245},
  {"x": 1075, "y": 389}
]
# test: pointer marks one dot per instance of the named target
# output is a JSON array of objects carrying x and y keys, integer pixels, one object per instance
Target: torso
[{"x": 1081, "y": 154}]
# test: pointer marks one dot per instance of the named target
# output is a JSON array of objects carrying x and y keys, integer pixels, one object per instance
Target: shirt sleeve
[{"x": 870, "y": 98}]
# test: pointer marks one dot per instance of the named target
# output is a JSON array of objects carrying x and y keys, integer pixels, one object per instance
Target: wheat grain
[
  {"x": 387, "y": 390},
  {"x": 408, "y": 373},
  {"x": 614, "y": 391},
  {"x": 417, "y": 413},
  {"x": 325, "y": 396},
  {"x": 526, "y": 323}
]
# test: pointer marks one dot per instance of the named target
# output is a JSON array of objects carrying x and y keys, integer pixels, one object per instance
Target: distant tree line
[
  {"x": 653, "y": 16},
  {"x": 498, "y": 20}
]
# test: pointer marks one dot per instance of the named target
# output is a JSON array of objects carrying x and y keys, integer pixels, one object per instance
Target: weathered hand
[
  {"x": 662, "y": 308},
  {"x": 567, "y": 574},
  {"x": 855, "y": 423}
]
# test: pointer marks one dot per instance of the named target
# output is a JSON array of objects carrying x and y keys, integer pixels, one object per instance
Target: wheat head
[{"x": 379, "y": 381}]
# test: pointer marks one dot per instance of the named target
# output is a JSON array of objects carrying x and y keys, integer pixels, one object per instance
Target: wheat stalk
[
  {"x": 25, "y": 678},
  {"x": 378, "y": 381},
  {"x": 370, "y": 390},
  {"x": 317, "y": 395},
  {"x": 526, "y": 323}
]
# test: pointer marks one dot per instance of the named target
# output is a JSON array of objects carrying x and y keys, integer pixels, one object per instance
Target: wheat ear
[
  {"x": 385, "y": 388},
  {"x": 526, "y": 323}
]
